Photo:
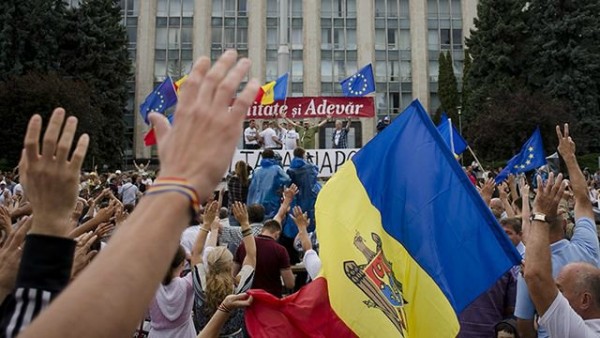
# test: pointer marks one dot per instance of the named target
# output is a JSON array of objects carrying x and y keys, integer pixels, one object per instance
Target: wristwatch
[{"x": 538, "y": 216}]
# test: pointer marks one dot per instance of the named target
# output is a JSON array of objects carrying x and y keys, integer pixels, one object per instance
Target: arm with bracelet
[
  {"x": 249, "y": 264},
  {"x": 198, "y": 249}
]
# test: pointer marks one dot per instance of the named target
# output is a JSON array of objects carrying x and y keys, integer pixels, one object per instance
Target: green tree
[
  {"x": 465, "y": 90},
  {"x": 565, "y": 59},
  {"x": 447, "y": 86},
  {"x": 94, "y": 49},
  {"x": 30, "y": 32},
  {"x": 500, "y": 129},
  {"x": 22, "y": 96},
  {"x": 498, "y": 48}
]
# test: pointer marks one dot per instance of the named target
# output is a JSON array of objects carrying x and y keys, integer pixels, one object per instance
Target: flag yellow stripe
[{"x": 344, "y": 211}]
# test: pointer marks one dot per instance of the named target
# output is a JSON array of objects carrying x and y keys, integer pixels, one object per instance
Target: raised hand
[
  {"x": 237, "y": 301},
  {"x": 83, "y": 255},
  {"x": 566, "y": 146},
  {"x": 210, "y": 213},
  {"x": 301, "y": 219},
  {"x": 10, "y": 256},
  {"x": 49, "y": 175},
  {"x": 289, "y": 193},
  {"x": 204, "y": 118},
  {"x": 240, "y": 213},
  {"x": 548, "y": 197},
  {"x": 487, "y": 189}
]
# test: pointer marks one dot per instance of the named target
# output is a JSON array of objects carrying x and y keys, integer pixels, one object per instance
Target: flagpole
[
  {"x": 451, "y": 137},
  {"x": 475, "y": 157}
]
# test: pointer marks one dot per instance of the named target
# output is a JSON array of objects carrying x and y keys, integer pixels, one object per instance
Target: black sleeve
[{"x": 44, "y": 272}]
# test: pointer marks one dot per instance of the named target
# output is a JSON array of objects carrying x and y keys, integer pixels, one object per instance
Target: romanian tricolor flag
[
  {"x": 273, "y": 91},
  {"x": 150, "y": 137},
  {"x": 406, "y": 244},
  {"x": 179, "y": 82}
]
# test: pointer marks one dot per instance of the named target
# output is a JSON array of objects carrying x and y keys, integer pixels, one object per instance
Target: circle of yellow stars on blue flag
[
  {"x": 527, "y": 162},
  {"x": 362, "y": 89}
]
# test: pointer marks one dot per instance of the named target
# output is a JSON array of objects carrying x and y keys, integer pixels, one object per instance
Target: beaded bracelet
[
  {"x": 223, "y": 308},
  {"x": 178, "y": 185}
]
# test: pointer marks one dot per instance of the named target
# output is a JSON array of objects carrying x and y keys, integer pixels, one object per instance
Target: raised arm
[
  {"x": 348, "y": 123},
  {"x": 538, "y": 263},
  {"x": 288, "y": 197},
  {"x": 220, "y": 317},
  {"x": 129, "y": 270},
  {"x": 322, "y": 122},
  {"x": 525, "y": 210},
  {"x": 198, "y": 249},
  {"x": 502, "y": 189},
  {"x": 241, "y": 215},
  {"x": 566, "y": 149}
]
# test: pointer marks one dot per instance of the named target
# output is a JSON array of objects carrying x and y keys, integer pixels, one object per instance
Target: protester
[
  {"x": 311, "y": 260},
  {"x": 382, "y": 123},
  {"x": 238, "y": 183},
  {"x": 291, "y": 137},
  {"x": 213, "y": 277},
  {"x": 269, "y": 137},
  {"x": 267, "y": 183},
  {"x": 339, "y": 137},
  {"x": 171, "y": 309},
  {"x": 583, "y": 247},
  {"x": 251, "y": 139},
  {"x": 306, "y": 131}
]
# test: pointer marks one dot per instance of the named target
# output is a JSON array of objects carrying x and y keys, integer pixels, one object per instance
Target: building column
[
  {"x": 144, "y": 71},
  {"x": 202, "y": 28},
  {"x": 365, "y": 40},
  {"x": 311, "y": 51},
  {"x": 419, "y": 51},
  {"x": 257, "y": 38},
  {"x": 469, "y": 13}
]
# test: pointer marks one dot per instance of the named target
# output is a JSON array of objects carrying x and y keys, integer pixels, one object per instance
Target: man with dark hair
[
  {"x": 512, "y": 228},
  {"x": 272, "y": 261},
  {"x": 267, "y": 183},
  {"x": 545, "y": 238}
]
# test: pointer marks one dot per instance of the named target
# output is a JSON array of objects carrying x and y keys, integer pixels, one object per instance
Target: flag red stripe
[
  {"x": 150, "y": 138},
  {"x": 306, "y": 313}
]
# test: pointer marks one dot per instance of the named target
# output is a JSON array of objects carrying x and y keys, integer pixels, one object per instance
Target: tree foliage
[
  {"x": 43, "y": 92},
  {"x": 548, "y": 49},
  {"x": 56, "y": 52},
  {"x": 508, "y": 118},
  {"x": 448, "y": 88}
]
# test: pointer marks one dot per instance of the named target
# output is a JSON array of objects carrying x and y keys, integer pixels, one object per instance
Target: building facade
[{"x": 328, "y": 40}]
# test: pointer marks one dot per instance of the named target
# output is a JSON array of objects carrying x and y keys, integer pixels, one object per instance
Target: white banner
[{"x": 328, "y": 161}]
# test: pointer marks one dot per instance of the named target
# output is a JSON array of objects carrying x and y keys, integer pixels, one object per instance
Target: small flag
[
  {"x": 162, "y": 98},
  {"x": 452, "y": 140},
  {"x": 531, "y": 156},
  {"x": 273, "y": 91},
  {"x": 359, "y": 84},
  {"x": 179, "y": 82},
  {"x": 150, "y": 137}
]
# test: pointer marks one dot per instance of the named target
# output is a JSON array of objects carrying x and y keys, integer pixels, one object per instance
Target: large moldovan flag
[{"x": 406, "y": 244}]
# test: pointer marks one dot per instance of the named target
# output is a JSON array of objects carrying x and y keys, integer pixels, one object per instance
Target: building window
[{"x": 392, "y": 56}]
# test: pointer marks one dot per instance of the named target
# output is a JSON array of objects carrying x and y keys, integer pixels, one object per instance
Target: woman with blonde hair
[{"x": 213, "y": 274}]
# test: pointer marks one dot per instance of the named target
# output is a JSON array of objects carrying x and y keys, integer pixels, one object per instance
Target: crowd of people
[
  {"x": 164, "y": 253},
  {"x": 288, "y": 134}
]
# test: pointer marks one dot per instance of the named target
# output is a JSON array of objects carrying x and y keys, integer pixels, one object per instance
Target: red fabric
[
  {"x": 306, "y": 313},
  {"x": 259, "y": 95},
  {"x": 150, "y": 138}
]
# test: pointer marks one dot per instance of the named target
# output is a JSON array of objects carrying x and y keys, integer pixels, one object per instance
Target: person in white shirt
[
  {"x": 5, "y": 195},
  {"x": 290, "y": 138},
  {"x": 251, "y": 136},
  {"x": 128, "y": 192},
  {"x": 269, "y": 137}
]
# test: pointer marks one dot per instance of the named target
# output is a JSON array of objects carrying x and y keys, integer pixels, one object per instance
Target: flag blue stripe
[{"x": 428, "y": 204}]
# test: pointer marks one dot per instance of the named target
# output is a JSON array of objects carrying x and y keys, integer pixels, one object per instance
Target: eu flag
[
  {"x": 451, "y": 136},
  {"x": 359, "y": 84},
  {"x": 162, "y": 98},
  {"x": 531, "y": 156}
]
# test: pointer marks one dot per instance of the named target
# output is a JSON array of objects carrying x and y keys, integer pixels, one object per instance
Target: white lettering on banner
[
  {"x": 313, "y": 107},
  {"x": 328, "y": 161}
]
